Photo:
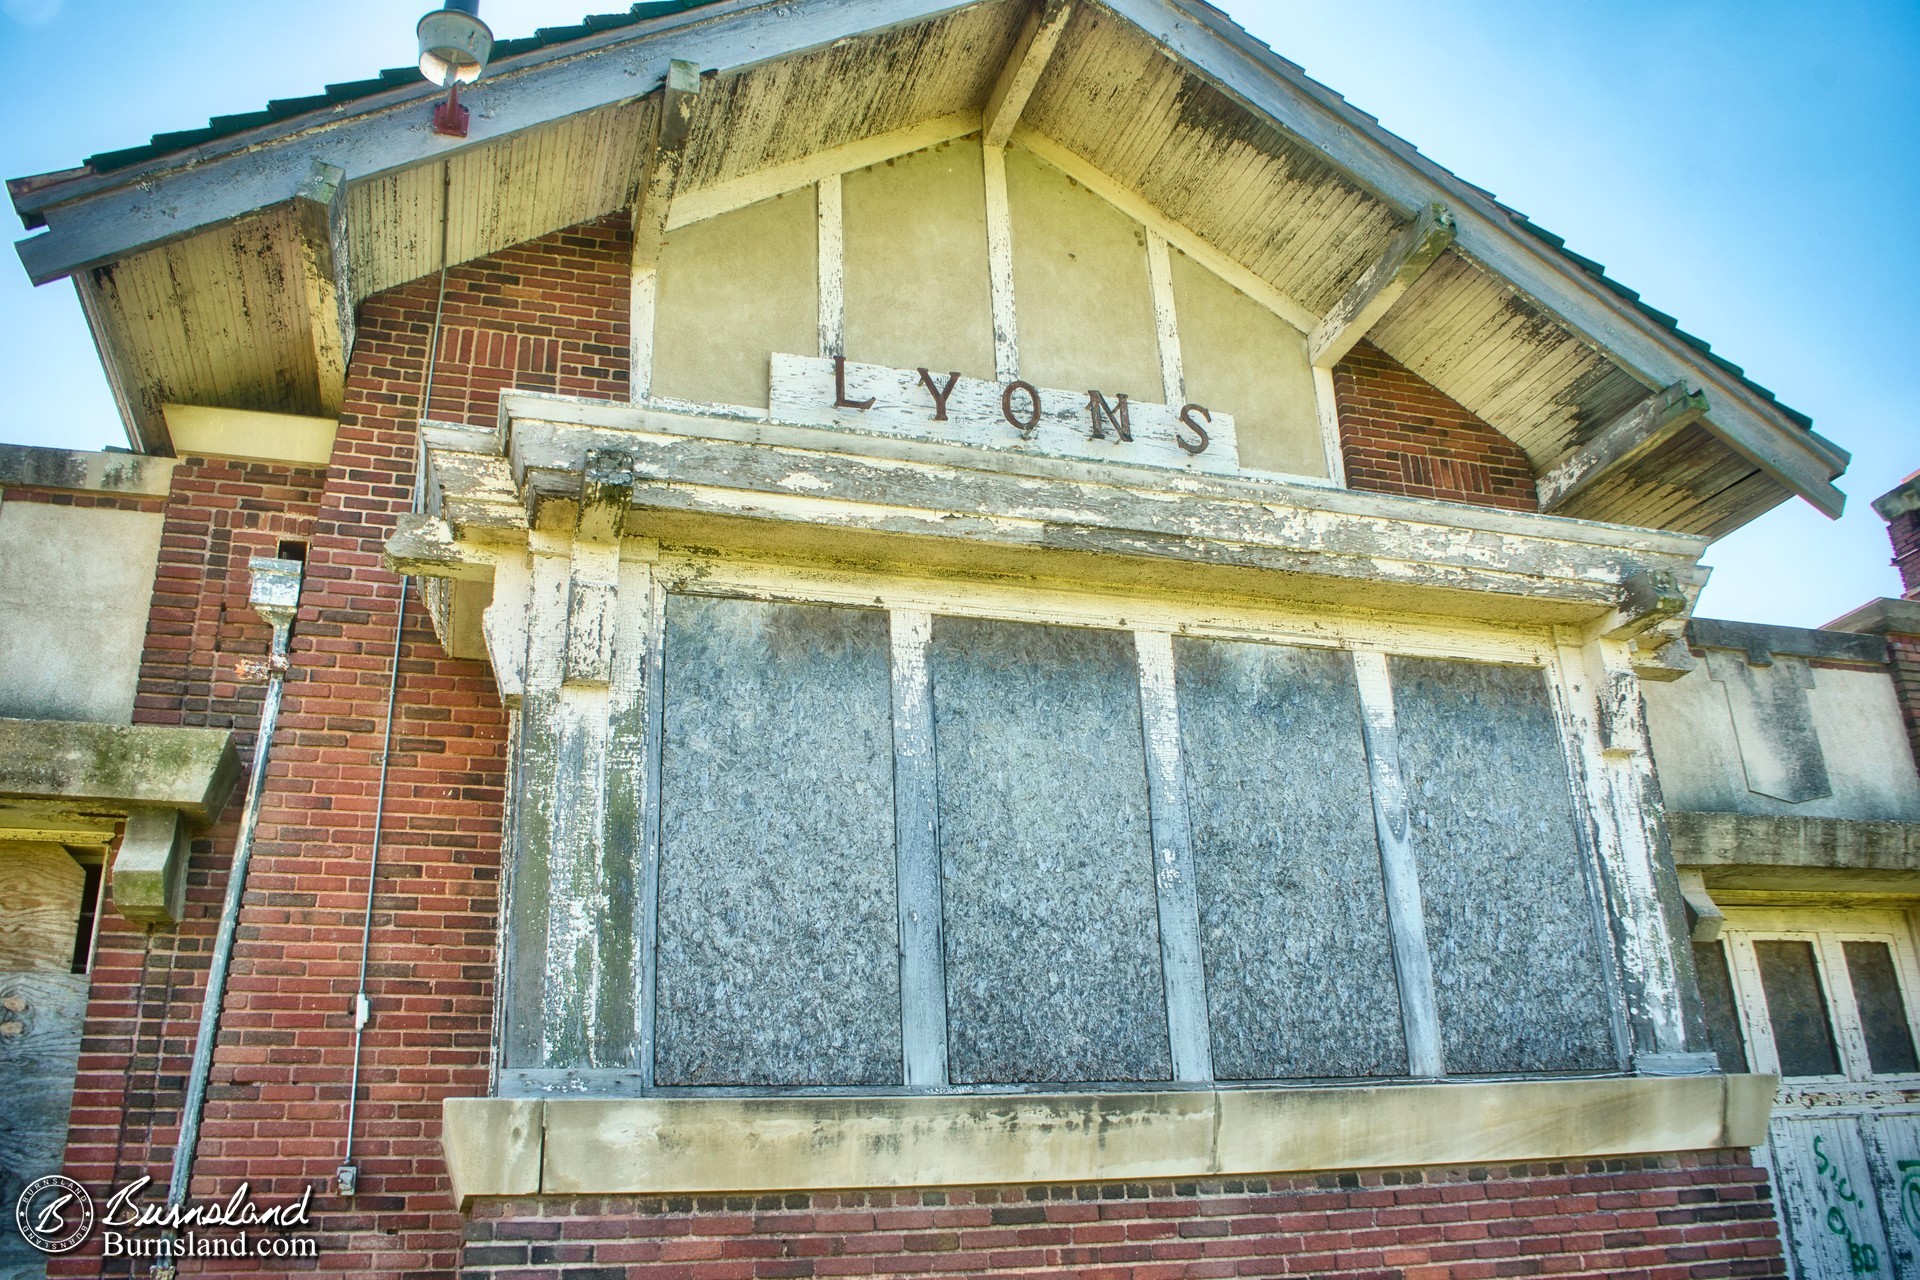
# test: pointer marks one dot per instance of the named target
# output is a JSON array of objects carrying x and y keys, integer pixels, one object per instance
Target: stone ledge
[
  {"x": 33, "y": 467},
  {"x": 634, "y": 1146},
  {"x": 1750, "y": 851},
  {"x": 114, "y": 767},
  {"x": 1882, "y": 617}
]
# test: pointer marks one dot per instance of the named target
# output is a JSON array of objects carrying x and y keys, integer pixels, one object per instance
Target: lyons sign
[{"x": 951, "y": 408}]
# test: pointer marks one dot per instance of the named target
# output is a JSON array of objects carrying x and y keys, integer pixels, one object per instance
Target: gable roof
[{"x": 890, "y": 66}]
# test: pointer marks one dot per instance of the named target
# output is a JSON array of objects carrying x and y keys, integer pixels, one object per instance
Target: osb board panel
[
  {"x": 778, "y": 958},
  {"x": 1293, "y": 922},
  {"x": 1519, "y": 969},
  {"x": 1052, "y": 939}
]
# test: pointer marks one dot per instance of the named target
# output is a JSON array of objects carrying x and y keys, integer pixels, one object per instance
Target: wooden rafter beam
[
  {"x": 1039, "y": 36},
  {"x": 661, "y": 165},
  {"x": 1407, "y": 257},
  {"x": 1647, "y": 424},
  {"x": 320, "y": 207}
]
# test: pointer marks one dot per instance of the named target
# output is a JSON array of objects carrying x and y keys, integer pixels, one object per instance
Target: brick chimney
[
  {"x": 1901, "y": 510},
  {"x": 1899, "y": 620}
]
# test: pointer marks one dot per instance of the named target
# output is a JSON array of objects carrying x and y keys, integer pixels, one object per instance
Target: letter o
[{"x": 1006, "y": 406}]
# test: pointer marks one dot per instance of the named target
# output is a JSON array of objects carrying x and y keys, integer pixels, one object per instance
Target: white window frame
[{"x": 1827, "y": 930}]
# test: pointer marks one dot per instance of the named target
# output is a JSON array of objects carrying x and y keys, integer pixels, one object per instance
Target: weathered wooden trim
[
  {"x": 544, "y": 412},
  {"x": 1400, "y": 873},
  {"x": 662, "y": 159},
  {"x": 1644, "y": 427},
  {"x": 1326, "y": 404},
  {"x": 1405, "y": 259},
  {"x": 1175, "y": 892},
  {"x": 1032, "y": 50},
  {"x": 296, "y": 439},
  {"x": 647, "y": 923},
  {"x": 1135, "y": 207},
  {"x": 1398, "y": 543},
  {"x": 1166, "y": 324},
  {"x": 777, "y": 180},
  {"x": 1616, "y": 795},
  {"x": 320, "y": 211},
  {"x": 1708, "y": 918},
  {"x": 650, "y": 1146},
  {"x": 833, "y": 268},
  {"x": 923, "y": 960},
  {"x": 643, "y": 296},
  {"x": 1006, "y": 330}
]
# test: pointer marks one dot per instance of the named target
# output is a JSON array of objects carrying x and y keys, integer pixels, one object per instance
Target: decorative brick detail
[
  {"x": 1697, "y": 1215},
  {"x": 551, "y": 314},
  {"x": 1903, "y": 661},
  {"x": 1398, "y": 434},
  {"x": 1904, "y": 532}
]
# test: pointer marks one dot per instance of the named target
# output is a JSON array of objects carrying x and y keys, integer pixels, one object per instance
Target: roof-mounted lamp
[{"x": 454, "y": 45}]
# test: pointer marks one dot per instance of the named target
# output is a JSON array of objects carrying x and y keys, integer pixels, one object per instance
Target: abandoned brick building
[{"x": 865, "y": 637}]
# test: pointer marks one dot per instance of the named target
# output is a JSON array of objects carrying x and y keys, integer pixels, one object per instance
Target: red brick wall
[
  {"x": 1904, "y": 531},
  {"x": 1698, "y": 1215},
  {"x": 551, "y": 315},
  {"x": 1398, "y": 434}
]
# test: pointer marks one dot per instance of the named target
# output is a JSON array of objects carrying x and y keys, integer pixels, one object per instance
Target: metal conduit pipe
[{"x": 275, "y": 596}]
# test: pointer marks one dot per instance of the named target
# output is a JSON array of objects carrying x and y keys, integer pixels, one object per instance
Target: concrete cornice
[
  {"x": 80, "y": 471},
  {"x": 659, "y": 1145},
  {"x": 1881, "y": 617}
]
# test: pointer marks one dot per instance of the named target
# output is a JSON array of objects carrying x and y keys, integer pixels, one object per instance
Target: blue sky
[{"x": 1748, "y": 165}]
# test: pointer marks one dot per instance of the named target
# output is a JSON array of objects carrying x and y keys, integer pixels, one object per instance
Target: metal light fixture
[{"x": 454, "y": 45}]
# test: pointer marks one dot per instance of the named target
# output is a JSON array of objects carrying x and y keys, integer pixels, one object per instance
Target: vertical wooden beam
[
  {"x": 1173, "y": 877},
  {"x": 662, "y": 161},
  {"x": 1006, "y": 341},
  {"x": 644, "y": 292},
  {"x": 647, "y": 922},
  {"x": 1406, "y": 913},
  {"x": 319, "y": 205},
  {"x": 923, "y": 960},
  {"x": 1648, "y": 424},
  {"x": 1408, "y": 255},
  {"x": 1038, "y": 38},
  {"x": 833, "y": 272},
  {"x": 653, "y": 200},
  {"x": 1637, "y": 892},
  {"x": 1166, "y": 324},
  {"x": 1326, "y": 404}
]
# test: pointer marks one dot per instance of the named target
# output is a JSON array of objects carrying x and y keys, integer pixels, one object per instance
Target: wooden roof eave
[
  {"x": 1261, "y": 81},
  {"x": 95, "y": 219}
]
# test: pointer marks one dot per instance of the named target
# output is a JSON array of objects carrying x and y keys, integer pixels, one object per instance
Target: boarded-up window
[
  {"x": 1518, "y": 965},
  {"x": 1053, "y": 954},
  {"x": 777, "y": 955},
  {"x": 1293, "y": 923},
  {"x": 1716, "y": 994},
  {"x": 1883, "y": 1014},
  {"x": 1796, "y": 1008}
]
